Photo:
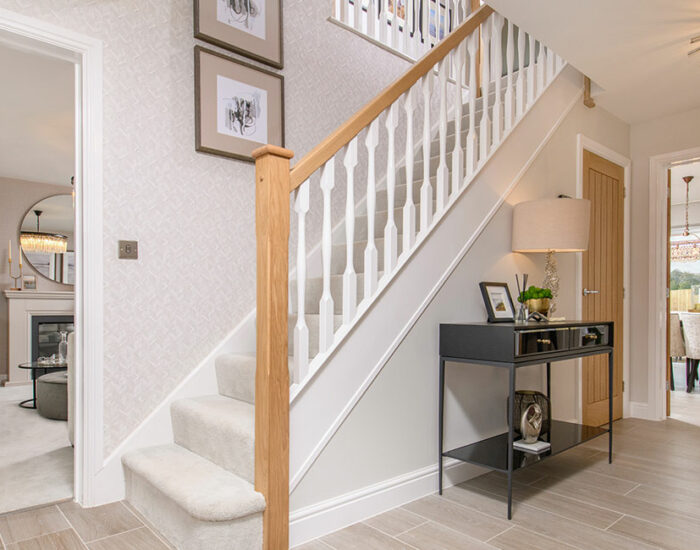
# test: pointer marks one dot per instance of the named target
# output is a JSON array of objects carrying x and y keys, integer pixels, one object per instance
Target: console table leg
[
  {"x": 511, "y": 408},
  {"x": 549, "y": 384},
  {"x": 441, "y": 398},
  {"x": 611, "y": 367}
]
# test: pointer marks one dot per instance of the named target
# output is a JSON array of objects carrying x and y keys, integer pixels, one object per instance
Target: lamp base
[{"x": 551, "y": 280}]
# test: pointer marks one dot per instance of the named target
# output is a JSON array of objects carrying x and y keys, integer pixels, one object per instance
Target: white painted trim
[
  {"x": 583, "y": 142},
  {"x": 86, "y": 52},
  {"x": 330, "y": 515},
  {"x": 656, "y": 368},
  {"x": 39, "y": 294},
  {"x": 299, "y": 475},
  {"x": 640, "y": 410}
]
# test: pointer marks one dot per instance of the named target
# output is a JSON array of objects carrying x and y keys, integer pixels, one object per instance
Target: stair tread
[
  {"x": 225, "y": 411},
  {"x": 200, "y": 487}
]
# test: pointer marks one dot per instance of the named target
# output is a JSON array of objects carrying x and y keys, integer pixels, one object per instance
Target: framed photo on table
[
  {"x": 238, "y": 107},
  {"x": 252, "y": 28},
  {"x": 498, "y": 302}
]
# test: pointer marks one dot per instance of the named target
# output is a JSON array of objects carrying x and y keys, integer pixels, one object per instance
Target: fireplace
[{"x": 46, "y": 333}]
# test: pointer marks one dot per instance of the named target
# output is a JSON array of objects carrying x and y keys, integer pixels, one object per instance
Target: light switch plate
[{"x": 128, "y": 250}]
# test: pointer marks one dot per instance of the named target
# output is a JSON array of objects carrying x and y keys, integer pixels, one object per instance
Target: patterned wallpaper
[{"x": 193, "y": 214}]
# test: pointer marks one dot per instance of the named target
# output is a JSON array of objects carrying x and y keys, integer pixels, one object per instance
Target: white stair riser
[{"x": 235, "y": 377}]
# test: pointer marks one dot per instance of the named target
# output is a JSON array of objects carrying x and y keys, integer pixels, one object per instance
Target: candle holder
[{"x": 19, "y": 277}]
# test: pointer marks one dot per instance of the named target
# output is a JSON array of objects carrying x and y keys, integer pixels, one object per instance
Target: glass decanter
[{"x": 63, "y": 347}]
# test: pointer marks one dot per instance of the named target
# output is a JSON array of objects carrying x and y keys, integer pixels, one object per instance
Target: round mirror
[{"x": 47, "y": 238}]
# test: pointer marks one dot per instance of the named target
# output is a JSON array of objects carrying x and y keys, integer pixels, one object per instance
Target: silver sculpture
[{"x": 531, "y": 423}]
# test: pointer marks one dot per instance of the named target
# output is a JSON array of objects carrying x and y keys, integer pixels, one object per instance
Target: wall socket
[{"x": 128, "y": 250}]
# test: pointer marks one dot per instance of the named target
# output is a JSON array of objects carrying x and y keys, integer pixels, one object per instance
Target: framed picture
[
  {"x": 29, "y": 282},
  {"x": 498, "y": 302},
  {"x": 238, "y": 107},
  {"x": 249, "y": 27}
]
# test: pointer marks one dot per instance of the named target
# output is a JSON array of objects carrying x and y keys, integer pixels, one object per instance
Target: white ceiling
[
  {"x": 636, "y": 50},
  {"x": 678, "y": 185},
  {"x": 36, "y": 117}
]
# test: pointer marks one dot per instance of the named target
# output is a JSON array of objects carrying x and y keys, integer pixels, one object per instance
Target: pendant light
[{"x": 38, "y": 241}]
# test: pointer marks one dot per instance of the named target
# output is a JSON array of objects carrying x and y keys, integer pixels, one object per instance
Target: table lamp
[{"x": 549, "y": 226}]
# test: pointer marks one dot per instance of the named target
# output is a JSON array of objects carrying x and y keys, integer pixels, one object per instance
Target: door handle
[{"x": 586, "y": 292}]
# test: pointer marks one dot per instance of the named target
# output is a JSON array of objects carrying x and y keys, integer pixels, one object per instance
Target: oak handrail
[{"x": 315, "y": 158}]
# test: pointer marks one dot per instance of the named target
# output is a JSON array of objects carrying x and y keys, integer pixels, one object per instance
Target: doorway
[
  {"x": 683, "y": 282},
  {"x": 603, "y": 282},
  {"x": 85, "y": 56}
]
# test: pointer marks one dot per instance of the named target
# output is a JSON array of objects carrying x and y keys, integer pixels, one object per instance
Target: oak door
[{"x": 603, "y": 280}]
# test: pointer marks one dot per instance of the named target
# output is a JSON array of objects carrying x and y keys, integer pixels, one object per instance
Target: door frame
[
  {"x": 658, "y": 245},
  {"x": 584, "y": 142},
  {"x": 86, "y": 53}
]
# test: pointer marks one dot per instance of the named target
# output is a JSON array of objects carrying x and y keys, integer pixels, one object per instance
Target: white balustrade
[
  {"x": 540, "y": 69},
  {"x": 442, "y": 177},
  {"x": 349, "y": 276},
  {"x": 390, "y": 232},
  {"x": 426, "y": 190},
  {"x": 550, "y": 65},
  {"x": 531, "y": 72},
  {"x": 301, "y": 330},
  {"x": 457, "y": 152},
  {"x": 509, "y": 97},
  {"x": 485, "y": 122},
  {"x": 371, "y": 255},
  {"x": 326, "y": 306},
  {"x": 520, "y": 84},
  {"x": 472, "y": 140},
  {"x": 497, "y": 21},
  {"x": 409, "y": 209}
]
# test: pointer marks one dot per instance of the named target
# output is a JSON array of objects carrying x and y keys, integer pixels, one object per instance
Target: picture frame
[
  {"x": 238, "y": 107},
  {"x": 29, "y": 282},
  {"x": 498, "y": 302},
  {"x": 252, "y": 28}
]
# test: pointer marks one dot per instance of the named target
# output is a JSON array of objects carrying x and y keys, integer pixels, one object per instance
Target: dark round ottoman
[{"x": 52, "y": 395}]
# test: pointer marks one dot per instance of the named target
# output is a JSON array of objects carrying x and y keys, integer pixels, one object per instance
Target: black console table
[{"x": 511, "y": 346}]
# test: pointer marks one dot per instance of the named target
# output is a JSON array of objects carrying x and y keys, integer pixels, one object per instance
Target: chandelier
[
  {"x": 38, "y": 241},
  {"x": 685, "y": 251}
]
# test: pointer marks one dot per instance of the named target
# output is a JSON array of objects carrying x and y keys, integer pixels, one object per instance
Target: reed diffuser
[{"x": 521, "y": 317}]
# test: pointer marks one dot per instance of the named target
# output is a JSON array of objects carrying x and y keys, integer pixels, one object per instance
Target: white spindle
[
  {"x": 540, "y": 69},
  {"x": 531, "y": 72},
  {"x": 349, "y": 276},
  {"x": 472, "y": 141},
  {"x": 442, "y": 171},
  {"x": 372, "y": 18},
  {"x": 405, "y": 38},
  {"x": 520, "y": 84},
  {"x": 409, "y": 209},
  {"x": 301, "y": 331},
  {"x": 485, "y": 122},
  {"x": 340, "y": 9},
  {"x": 326, "y": 304},
  {"x": 371, "y": 256},
  {"x": 357, "y": 15},
  {"x": 559, "y": 63},
  {"x": 426, "y": 190},
  {"x": 426, "y": 25},
  {"x": 390, "y": 232},
  {"x": 497, "y": 59},
  {"x": 509, "y": 99},
  {"x": 457, "y": 152},
  {"x": 550, "y": 65},
  {"x": 383, "y": 34}
]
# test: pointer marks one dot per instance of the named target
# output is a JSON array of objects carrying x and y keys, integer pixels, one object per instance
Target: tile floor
[
  {"x": 66, "y": 526},
  {"x": 573, "y": 500}
]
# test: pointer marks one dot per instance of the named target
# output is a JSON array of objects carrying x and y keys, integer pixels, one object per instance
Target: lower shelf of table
[{"x": 493, "y": 452}]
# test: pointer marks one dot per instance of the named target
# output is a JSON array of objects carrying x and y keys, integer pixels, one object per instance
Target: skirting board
[
  {"x": 156, "y": 429},
  {"x": 330, "y": 515},
  {"x": 639, "y": 409}
]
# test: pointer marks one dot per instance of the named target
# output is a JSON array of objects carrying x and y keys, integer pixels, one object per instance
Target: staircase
[{"x": 205, "y": 491}]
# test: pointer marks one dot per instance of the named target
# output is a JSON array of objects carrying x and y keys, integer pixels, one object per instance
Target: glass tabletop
[{"x": 42, "y": 365}]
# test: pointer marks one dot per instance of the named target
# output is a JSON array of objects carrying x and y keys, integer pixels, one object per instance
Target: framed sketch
[
  {"x": 29, "y": 282},
  {"x": 238, "y": 107},
  {"x": 498, "y": 302},
  {"x": 249, "y": 27}
]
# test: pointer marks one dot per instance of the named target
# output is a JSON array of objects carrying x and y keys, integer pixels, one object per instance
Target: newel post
[{"x": 272, "y": 374}]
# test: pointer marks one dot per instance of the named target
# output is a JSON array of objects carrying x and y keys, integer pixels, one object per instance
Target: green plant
[{"x": 534, "y": 293}]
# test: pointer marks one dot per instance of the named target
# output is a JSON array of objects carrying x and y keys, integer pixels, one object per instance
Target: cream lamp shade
[{"x": 551, "y": 225}]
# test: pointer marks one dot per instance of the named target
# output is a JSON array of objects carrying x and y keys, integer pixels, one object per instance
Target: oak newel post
[{"x": 272, "y": 374}]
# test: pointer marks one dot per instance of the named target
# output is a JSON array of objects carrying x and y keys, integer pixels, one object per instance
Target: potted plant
[{"x": 536, "y": 299}]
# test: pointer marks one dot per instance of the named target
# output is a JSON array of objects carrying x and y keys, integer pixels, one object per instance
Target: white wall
[
  {"x": 393, "y": 429},
  {"x": 655, "y": 137},
  {"x": 193, "y": 214}
]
